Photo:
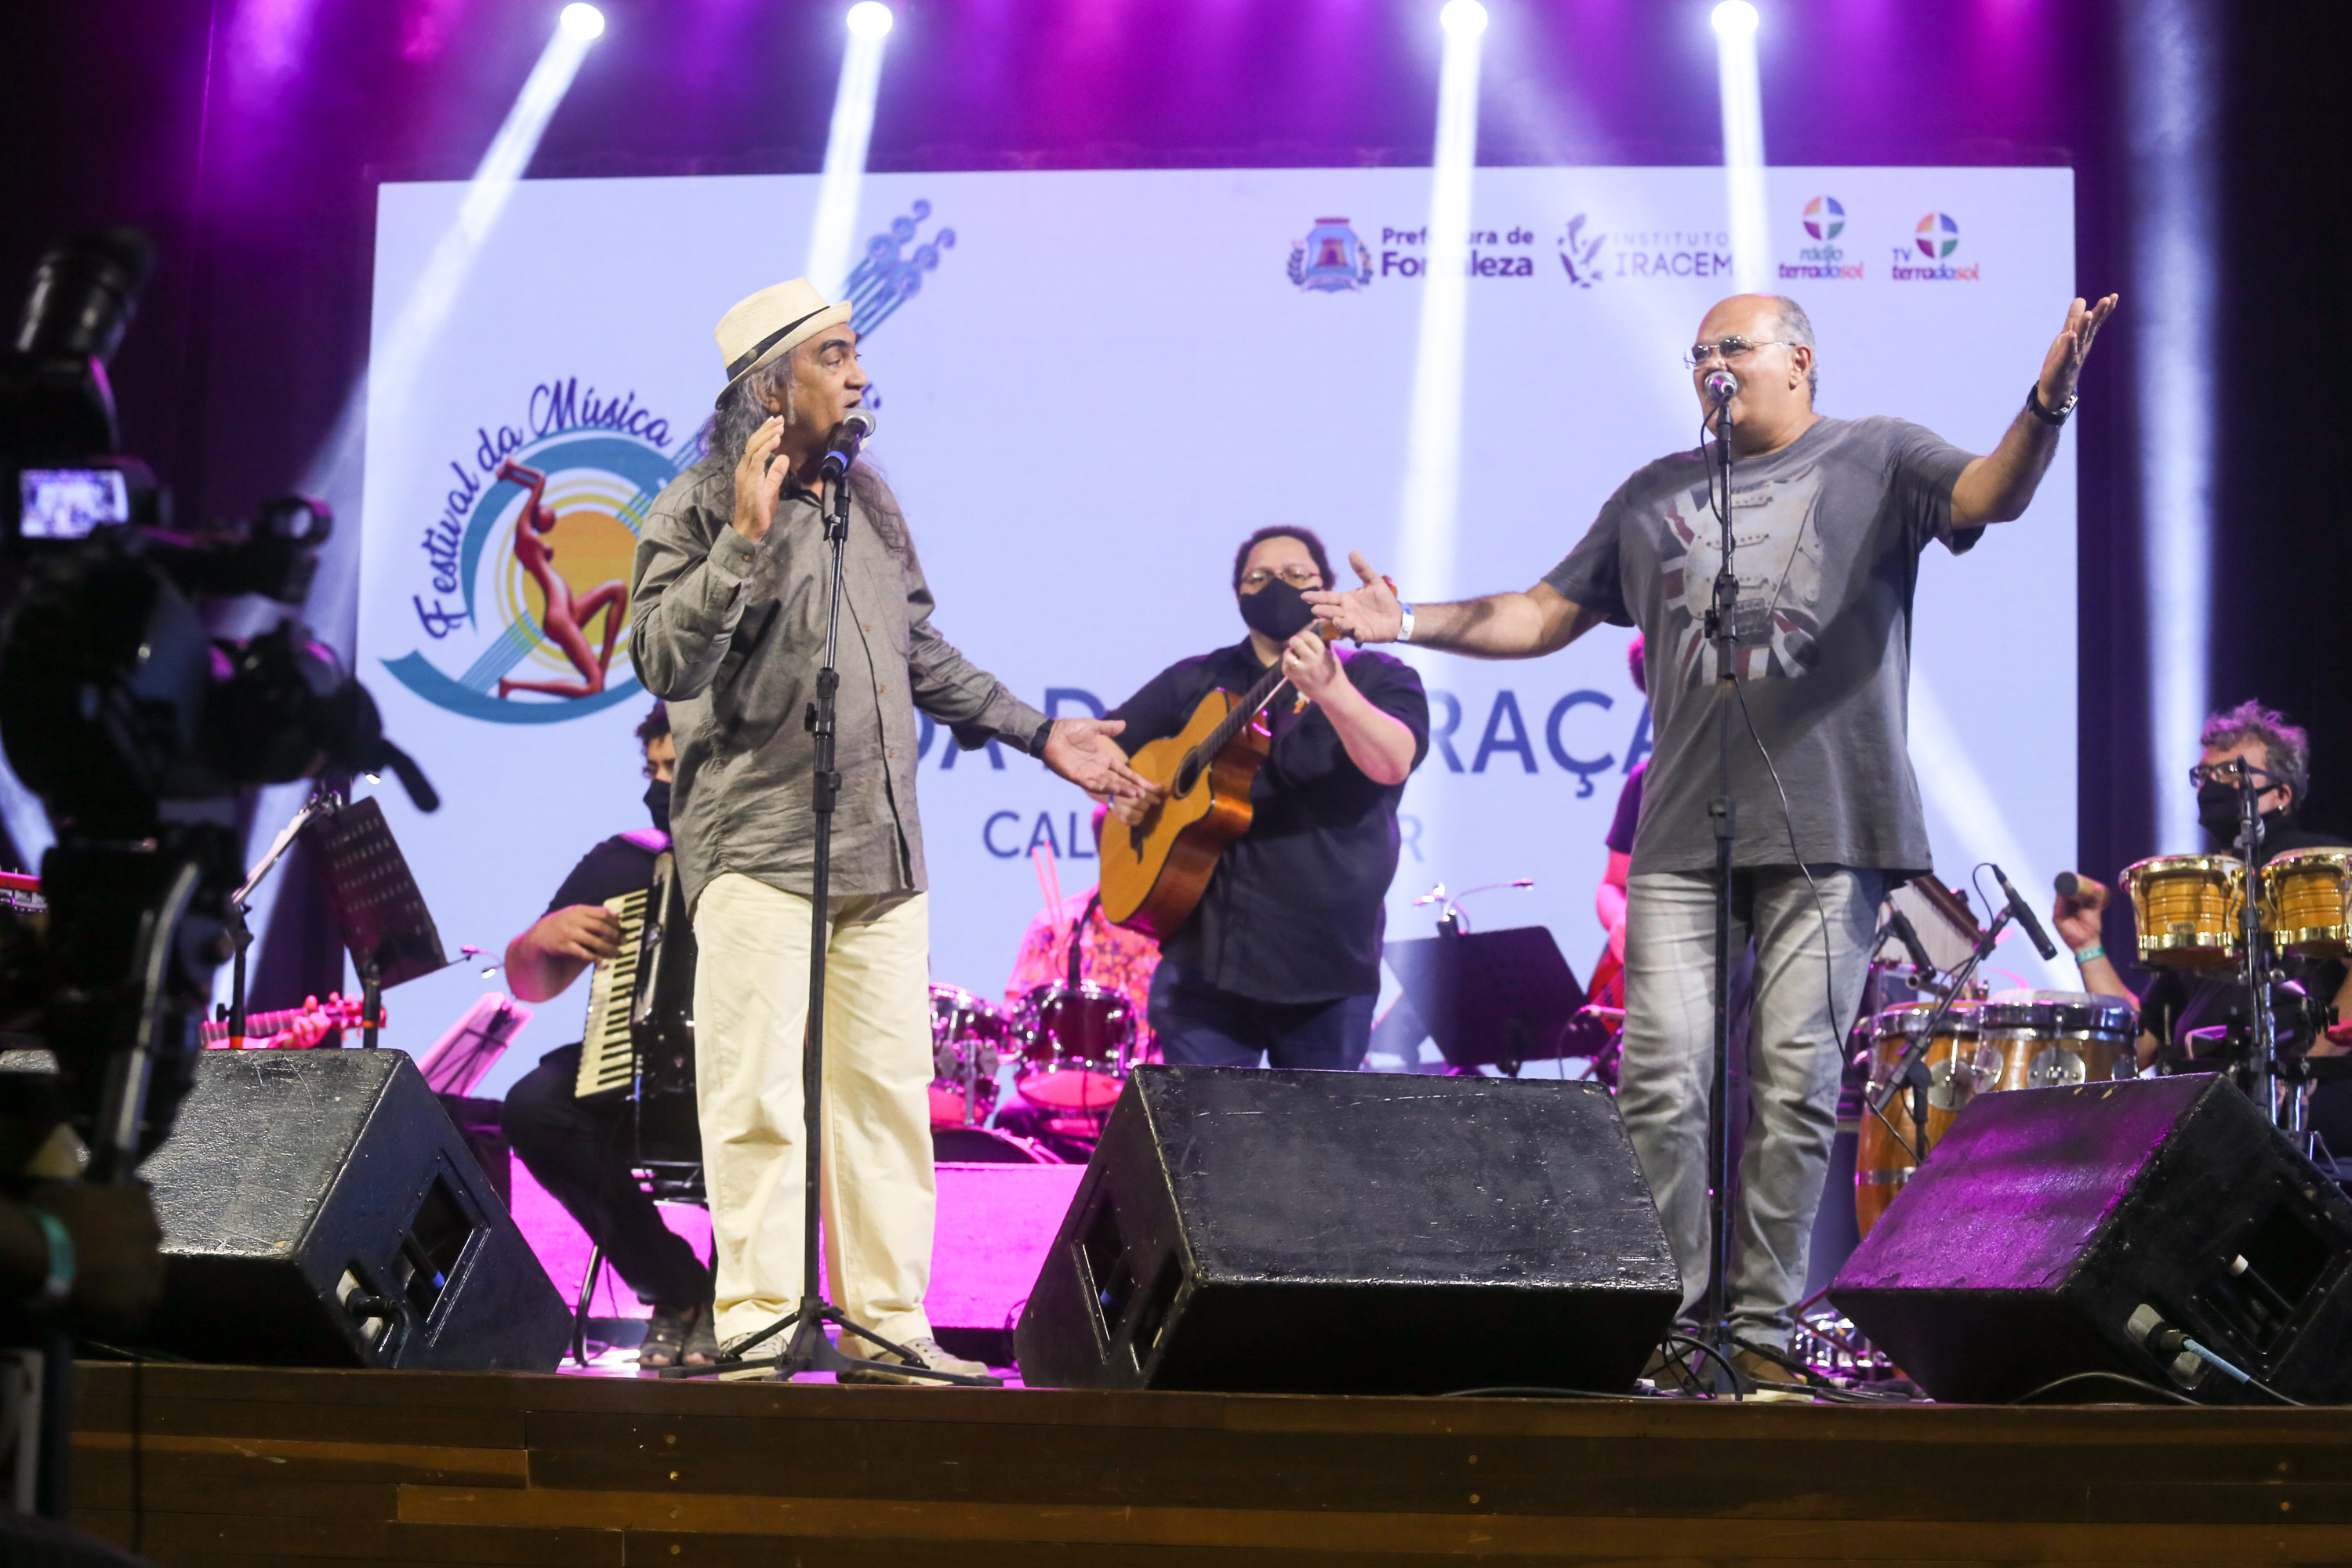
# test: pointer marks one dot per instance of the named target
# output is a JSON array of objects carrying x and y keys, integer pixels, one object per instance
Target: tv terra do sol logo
[
  {"x": 1936, "y": 237},
  {"x": 522, "y": 615},
  {"x": 1824, "y": 261}
]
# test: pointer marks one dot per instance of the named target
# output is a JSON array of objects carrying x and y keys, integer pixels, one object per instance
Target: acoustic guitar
[{"x": 1154, "y": 873}]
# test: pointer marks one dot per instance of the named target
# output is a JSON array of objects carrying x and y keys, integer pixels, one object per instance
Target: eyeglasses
[
  {"x": 1295, "y": 575},
  {"x": 1733, "y": 350},
  {"x": 2227, "y": 773}
]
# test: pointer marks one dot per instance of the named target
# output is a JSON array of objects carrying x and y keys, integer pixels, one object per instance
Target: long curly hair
[{"x": 744, "y": 409}]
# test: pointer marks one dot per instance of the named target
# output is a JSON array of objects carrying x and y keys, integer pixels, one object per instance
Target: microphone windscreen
[
  {"x": 859, "y": 422},
  {"x": 1722, "y": 385},
  {"x": 2067, "y": 884}
]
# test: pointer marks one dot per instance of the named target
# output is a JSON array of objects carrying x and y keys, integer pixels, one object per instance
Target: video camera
[{"x": 137, "y": 728}]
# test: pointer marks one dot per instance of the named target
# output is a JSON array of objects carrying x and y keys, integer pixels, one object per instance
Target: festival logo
[
  {"x": 1824, "y": 217},
  {"x": 1330, "y": 259},
  {"x": 1938, "y": 236},
  {"x": 526, "y": 616},
  {"x": 1579, "y": 253},
  {"x": 886, "y": 276}
]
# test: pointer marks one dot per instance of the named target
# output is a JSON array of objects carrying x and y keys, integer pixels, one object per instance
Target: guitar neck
[{"x": 1251, "y": 703}]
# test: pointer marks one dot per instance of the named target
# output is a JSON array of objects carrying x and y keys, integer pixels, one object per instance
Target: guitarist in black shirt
[{"x": 1280, "y": 960}]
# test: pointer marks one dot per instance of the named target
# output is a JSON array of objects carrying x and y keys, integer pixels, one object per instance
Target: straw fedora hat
[{"x": 770, "y": 324}]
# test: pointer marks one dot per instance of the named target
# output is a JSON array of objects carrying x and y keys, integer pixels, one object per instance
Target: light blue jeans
[{"x": 1795, "y": 1050}]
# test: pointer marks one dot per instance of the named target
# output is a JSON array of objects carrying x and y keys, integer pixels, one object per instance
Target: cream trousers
[{"x": 875, "y": 1182}]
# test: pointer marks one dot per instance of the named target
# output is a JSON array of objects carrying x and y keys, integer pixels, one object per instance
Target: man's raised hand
[
  {"x": 1368, "y": 613},
  {"x": 1081, "y": 750},
  {"x": 2063, "y": 366},
  {"x": 759, "y": 481}
]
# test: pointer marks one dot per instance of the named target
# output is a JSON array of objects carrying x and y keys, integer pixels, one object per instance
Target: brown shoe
[{"x": 1773, "y": 1380}]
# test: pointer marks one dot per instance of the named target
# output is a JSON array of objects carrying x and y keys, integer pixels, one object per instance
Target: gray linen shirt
[{"x": 730, "y": 635}]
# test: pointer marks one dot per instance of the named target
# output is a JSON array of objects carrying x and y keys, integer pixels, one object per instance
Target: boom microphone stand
[
  {"x": 2255, "y": 959},
  {"x": 809, "y": 1350},
  {"x": 1723, "y": 632}
]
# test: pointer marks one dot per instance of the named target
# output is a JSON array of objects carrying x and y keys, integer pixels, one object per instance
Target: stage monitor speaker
[
  {"x": 1352, "y": 1233},
  {"x": 2054, "y": 1230},
  {"x": 321, "y": 1209}
]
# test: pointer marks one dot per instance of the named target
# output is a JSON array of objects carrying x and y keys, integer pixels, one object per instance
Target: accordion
[{"x": 640, "y": 1030}]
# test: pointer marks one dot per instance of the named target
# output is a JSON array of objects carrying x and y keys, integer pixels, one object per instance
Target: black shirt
[
  {"x": 2183, "y": 1000},
  {"x": 622, "y": 864},
  {"x": 1293, "y": 911}
]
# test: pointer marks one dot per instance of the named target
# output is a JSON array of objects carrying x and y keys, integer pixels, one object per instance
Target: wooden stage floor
[{"x": 283, "y": 1468}]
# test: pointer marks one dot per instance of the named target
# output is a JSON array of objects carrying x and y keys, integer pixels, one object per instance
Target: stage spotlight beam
[
  {"x": 338, "y": 474},
  {"x": 833, "y": 233},
  {"x": 1430, "y": 496},
  {"x": 1736, "y": 22},
  {"x": 2169, "y": 100}
]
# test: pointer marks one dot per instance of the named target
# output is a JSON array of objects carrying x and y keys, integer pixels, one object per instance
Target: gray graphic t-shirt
[{"x": 1826, "y": 536}]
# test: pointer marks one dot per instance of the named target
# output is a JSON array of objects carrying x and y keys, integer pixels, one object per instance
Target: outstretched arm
[
  {"x": 1999, "y": 485},
  {"x": 1500, "y": 626}
]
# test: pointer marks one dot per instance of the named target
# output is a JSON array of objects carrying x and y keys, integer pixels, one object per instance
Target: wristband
[
  {"x": 59, "y": 1284},
  {"x": 2086, "y": 954},
  {"x": 1404, "y": 625},
  {"x": 2048, "y": 416},
  {"x": 1037, "y": 741}
]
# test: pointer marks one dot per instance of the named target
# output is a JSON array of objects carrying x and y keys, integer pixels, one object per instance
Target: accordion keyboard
[{"x": 607, "y": 1056}]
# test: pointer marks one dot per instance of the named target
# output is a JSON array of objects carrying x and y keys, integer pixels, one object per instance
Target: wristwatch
[
  {"x": 1037, "y": 741},
  {"x": 2057, "y": 416}
]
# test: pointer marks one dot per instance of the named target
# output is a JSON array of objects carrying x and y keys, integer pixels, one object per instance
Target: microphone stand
[
  {"x": 809, "y": 1350},
  {"x": 2254, "y": 963},
  {"x": 1723, "y": 632}
]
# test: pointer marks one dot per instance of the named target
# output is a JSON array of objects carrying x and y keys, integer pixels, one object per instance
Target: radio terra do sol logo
[
  {"x": 1824, "y": 261},
  {"x": 1824, "y": 217}
]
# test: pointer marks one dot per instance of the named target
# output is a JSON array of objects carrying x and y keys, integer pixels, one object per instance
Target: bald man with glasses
[{"x": 1831, "y": 519}]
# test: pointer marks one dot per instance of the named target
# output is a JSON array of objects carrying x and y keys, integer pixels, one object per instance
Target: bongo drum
[
  {"x": 2307, "y": 901},
  {"x": 2187, "y": 908}
]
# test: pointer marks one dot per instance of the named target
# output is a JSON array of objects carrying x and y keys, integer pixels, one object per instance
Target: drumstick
[{"x": 1049, "y": 882}]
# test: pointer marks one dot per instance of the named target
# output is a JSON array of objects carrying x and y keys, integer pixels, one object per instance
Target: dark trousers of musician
[
  {"x": 578, "y": 1150},
  {"x": 1793, "y": 1057},
  {"x": 1201, "y": 1025}
]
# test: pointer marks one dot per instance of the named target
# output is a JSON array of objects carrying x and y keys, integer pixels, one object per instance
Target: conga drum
[
  {"x": 2187, "y": 908},
  {"x": 1883, "y": 1164},
  {"x": 2307, "y": 901},
  {"x": 2056, "y": 1039}
]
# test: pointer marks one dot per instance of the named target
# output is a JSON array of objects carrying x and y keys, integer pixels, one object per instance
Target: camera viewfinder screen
[{"x": 67, "y": 503}]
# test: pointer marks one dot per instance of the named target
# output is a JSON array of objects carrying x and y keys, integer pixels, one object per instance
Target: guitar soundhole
[{"x": 1186, "y": 778}]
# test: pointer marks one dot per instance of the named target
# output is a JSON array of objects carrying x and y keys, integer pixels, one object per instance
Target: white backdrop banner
[{"x": 1091, "y": 386}]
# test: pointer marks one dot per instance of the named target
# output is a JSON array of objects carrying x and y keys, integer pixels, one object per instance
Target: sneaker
[
  {"x": 1680, "y": 1370},
  {"x": 926, "y": 1352},
  {"x": 1773, "y": 1380}
]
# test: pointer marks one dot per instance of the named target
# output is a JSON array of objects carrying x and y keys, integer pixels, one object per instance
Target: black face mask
[
  {"x": 2217, "y": 810},
  {"x": 1277, "y": 611},
  {"x": 657, "y": 803}
]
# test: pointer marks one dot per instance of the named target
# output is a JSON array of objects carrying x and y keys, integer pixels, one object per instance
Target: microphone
[
  {"x": 1899, "y": 924},
  {"x": 856, "y": 427},
  {"x": 2025, "y": 916},
  {"x": 2066, "y": 884},
  {"x": 1721, "y": 386}
]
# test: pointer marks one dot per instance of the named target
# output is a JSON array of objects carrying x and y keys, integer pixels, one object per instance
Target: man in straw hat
[{"x": 730, "y": 595}]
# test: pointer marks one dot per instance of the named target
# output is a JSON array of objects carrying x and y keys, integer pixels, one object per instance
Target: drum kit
[
  {"x": 1071, "y": 1048},
  {"x": 2199, "y": 914}
]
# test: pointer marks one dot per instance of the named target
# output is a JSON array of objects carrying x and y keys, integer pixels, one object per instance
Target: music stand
[
  {"x": 378, "y": 912},
  {"x": 1497, "y": 997}
]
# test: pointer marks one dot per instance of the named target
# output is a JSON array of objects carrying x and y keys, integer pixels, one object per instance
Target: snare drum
[
  {"x": 2307, "y": 899},
  {"x": 2056, "y": 1039},
  {"x": 1076, "y": 1047},
  {"x": 1958, "y": 1070},
  {"x": 2188, "y": 909},
  {"x": 967, "y": 1045}
]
